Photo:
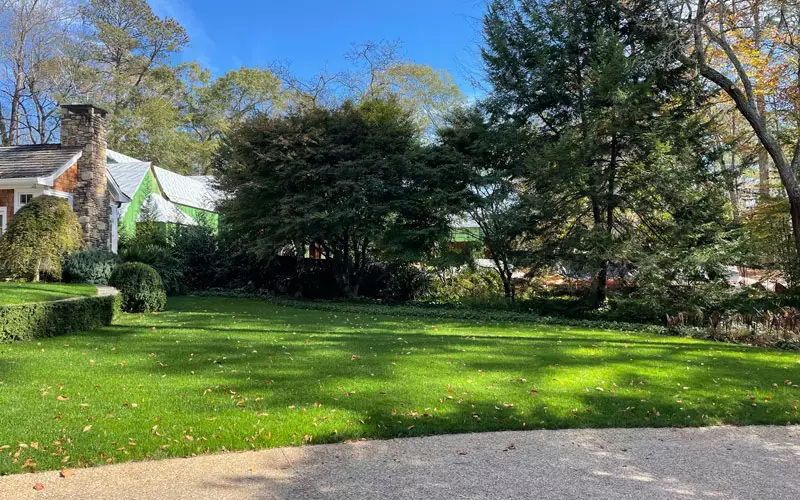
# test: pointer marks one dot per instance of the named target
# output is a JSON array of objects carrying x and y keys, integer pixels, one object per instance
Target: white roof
[
  {"x": 156, "y": 208},
  {"x": 129, "y": 175},
  {"x": 114, "y": 157},
  {"x": 188, "y": 191}
]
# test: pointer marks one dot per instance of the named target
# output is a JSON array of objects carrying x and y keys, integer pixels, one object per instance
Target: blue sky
[{"x": 311, "y": 35}]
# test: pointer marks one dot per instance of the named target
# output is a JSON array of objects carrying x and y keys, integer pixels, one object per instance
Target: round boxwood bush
[
  {"x": 140, "y": 287},
  {"x": 91, "y": 266}
]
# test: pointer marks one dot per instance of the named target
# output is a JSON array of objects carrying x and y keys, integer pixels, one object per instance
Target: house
[
  {"x": 161, "y": 196},
  {"x": 107, "y": 190},
  {"x": 74, "y": 170}
]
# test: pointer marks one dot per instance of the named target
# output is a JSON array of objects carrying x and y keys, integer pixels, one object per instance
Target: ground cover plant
[
  {"x": 213, "y": 374},
  {"x": 22, "y": 292}
]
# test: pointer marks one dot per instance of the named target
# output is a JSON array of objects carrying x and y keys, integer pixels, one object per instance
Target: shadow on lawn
[
  {"x": 420, "y": 381},
  {"x": 630, "y": 397}
]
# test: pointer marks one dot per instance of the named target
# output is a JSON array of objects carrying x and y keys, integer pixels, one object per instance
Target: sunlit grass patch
[{"x": 214, "y": 374}]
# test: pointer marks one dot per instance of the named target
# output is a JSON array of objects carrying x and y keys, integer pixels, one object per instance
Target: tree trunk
[{"x": 598, "y": 294}]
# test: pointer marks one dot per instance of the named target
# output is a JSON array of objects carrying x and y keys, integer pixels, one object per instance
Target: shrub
[
  {"x": 394, "y": 282},
  {"x": 196, "y": 247},
  {"x": 38, "y": 238},
  {"x": 140, "y": 287},
  {"x": 90, "y": 266},
  {"x": 469, "y": 286},
  {"x": 161, "y": 258},
  {"x": 30, "y": 321}
]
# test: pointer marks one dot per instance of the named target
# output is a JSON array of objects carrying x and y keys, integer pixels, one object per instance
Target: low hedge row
[{"x": 47, "y": 319}]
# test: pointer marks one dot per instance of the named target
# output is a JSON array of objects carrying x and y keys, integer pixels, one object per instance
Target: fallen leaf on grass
[{"x": 62, "y": 398}]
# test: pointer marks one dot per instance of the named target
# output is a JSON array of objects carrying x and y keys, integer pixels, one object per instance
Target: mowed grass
[
  {"x": 217, "y": 374},
  {"x": 20, "y": 293}
]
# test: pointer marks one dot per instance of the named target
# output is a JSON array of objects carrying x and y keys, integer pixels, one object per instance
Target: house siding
[
  {"x": 67, "y": 181},
  {"x": 201, "y": 216},
  {"x": 148, "y": 186},
  {"x": 7, "y": 200}
]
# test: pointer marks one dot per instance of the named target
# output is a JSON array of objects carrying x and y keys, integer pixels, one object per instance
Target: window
[
  {"x": 3, "y": 217},
  {"x": 24, "y": 199}
]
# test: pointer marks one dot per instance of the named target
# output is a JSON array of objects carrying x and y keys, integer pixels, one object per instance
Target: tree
[
  {"x": 34, "y": 32},
  {"x": 428, "y": 94},
  {"x": 214, "y": 106},
  {"x": 749, "y": 50},
  {"x": 515, "y": 217},
  {"x": 347, "y": 182},
  {"x": 38, "y": 238},
  {"x": 605, "y": 105},
  {"x": 379, "y": 72}
]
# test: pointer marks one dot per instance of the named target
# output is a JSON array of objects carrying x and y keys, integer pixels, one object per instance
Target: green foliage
[
  {"x": 38, "y": 238},
  {"x": 214, "y": 106},
  {"x": 516, "y": 218},
  {"x": 47, "y": 319},
  {"x": 162, "y": 258},
  {"x": 768, "y": 240},
  {"x": 469, "y": 287},
  {"x": 196, "y": 249},
  {"x": 90, "y": 266},
  {"x": 348, "y": 182},
  {"x": 396, "y": 282},
  {"x": 140, "y": 287},
  {"x": 616, "y": 127}
]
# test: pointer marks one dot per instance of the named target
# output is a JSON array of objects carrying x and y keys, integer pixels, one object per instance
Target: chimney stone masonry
[{"x": 84, "y": 125}]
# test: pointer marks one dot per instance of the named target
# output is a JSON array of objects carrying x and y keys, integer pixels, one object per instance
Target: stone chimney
[{"x": 84, "y": 125}]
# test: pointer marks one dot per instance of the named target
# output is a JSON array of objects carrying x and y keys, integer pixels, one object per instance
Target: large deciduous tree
[
  {"x": 348, "y": 182},
  {"x": 515, "y": 216},
  {"x": 751, "y": 51}
]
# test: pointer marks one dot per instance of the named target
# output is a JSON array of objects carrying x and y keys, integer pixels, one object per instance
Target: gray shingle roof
[
  {"x": 24, "y": 162},
  {"x": 186, "y": 190}
]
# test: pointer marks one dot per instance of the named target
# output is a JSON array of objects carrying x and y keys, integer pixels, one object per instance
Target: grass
[
  {"x": 19, "y": 293},
  {"x": 217, "y": 374}
]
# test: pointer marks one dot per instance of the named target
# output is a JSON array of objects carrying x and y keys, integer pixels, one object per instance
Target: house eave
[
  {"x": 50, "y": 180},
  {"x": 116, "y": 192}
]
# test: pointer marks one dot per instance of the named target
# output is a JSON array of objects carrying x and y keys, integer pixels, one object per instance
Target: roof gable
[{"x": 129, "y": 176}]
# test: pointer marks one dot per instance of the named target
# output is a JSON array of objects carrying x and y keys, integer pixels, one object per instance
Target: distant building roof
[
  {"x": 129, "y": 175},
  {"x": 189, "y": 191},
  {"x": 156, "y": 208},
  {"x": 35, "y": 162},
  {"x": 114, "y": 157}
]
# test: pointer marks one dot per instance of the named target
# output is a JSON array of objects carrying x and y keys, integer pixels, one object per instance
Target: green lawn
[
  {"x": 231, "y": 374},
  {"x": 19, "y": 293}
]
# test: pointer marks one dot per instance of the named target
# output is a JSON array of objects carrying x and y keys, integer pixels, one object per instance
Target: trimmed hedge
[
  {"x": 48, "y": 319},
  {"x": 90, "y": 266},
  {"x": 140, "y": 287}
]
